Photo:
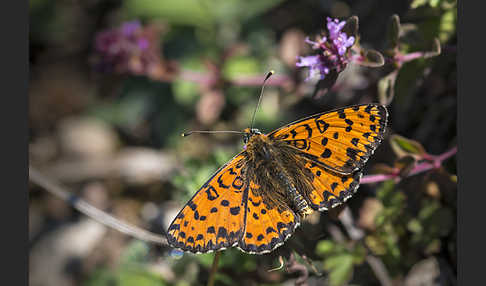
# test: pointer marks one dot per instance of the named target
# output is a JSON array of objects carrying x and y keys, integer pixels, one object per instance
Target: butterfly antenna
[
  {"x": 185, "y": 134},
  {"x": 269, "y": 74}
]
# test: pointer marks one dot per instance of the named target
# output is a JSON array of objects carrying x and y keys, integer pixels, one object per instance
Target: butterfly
[{"x": 258, "y": 199}]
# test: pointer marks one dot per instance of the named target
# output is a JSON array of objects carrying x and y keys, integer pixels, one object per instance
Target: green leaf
[
  {"x": 394, "y": 31},
  {"x": 185, "y": 92},
  {"x": 386, "y": 88},
  {"x": 417, "y": 3},
  {"x": 447, "y": 26},
  {"x": 403, "y": 146},
  {"x": 135, "y": 252},
  {"x": 340, "y": 268},
  {"x": 325, "y": 247},
  {"x": 130, "y": 276},
  {"x": 372, "y": 58},
  {"x": 231, "y": 11},
  {"x": 434, "y": 51},
  {"x": 414, "y": 226},
  {"x": 359, "y": 254},
  {"x": 241, "y": 65},
  {"x": 351, "y": 27},
  {"x": 183, "y": 12},
  {"x": 405, "y": 164}
]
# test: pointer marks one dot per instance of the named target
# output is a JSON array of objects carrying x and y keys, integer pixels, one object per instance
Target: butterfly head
[{"x": 249, "y": 132}]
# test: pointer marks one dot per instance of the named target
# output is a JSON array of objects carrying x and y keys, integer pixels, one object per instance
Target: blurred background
[{"x": 114, "y": 83}]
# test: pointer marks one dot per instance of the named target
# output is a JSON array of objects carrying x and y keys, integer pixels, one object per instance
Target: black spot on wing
[
  {"x": 212, "y": 194},
  {"x": 341, "y": 114},
  {"x": 368, "y": 108},
  {"x": 352, "y": 153},
  {"x": 192, "y": 205},
  {"x": 334, "y": 185},
  {"x": 222, "y": 232},
  {"x": 235, "y": 210},
  {"x": 321, "y": 125},
  {"x": 221, "y": 184},
  {"x": 326, "y": 154},
  {"x": 238, "y": 183},
  {"x": 270, "y": 230}
]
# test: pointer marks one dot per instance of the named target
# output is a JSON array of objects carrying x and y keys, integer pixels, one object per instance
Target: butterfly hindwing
[
  {"x": 266, "y": 227},
  {"x": 341, "y": 140},
  {"x": 214, "y": 218},
  {"x": 330, "y": 189},
  {"x": 256, "y": 200}
]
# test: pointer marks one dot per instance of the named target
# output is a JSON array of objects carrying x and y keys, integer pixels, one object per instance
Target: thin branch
[
  {"x": 93, "y": 212},
  {"x": 379, "y": 269},
  {"x": 346, "y": 218},
  {"x": 293, "y": 266},
  {"x": 419, "y": 168},
  {"x": 214, "y": 268}
]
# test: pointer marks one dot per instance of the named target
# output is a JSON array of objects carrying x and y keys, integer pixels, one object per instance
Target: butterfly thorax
[{"x": 266, "y": 167}]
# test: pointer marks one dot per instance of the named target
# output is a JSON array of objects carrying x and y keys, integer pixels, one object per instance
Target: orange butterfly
[{"x": 257, "y": 199}]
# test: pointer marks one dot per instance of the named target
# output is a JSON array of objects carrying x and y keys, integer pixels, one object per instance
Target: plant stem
[
  {"x": 214, "y": 268},
  {"x": 419, "y": 168},
  {"x": 86, "y": 208}
]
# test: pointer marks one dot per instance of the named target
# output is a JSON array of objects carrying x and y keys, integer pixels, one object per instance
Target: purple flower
[
  {"x": 129, "y": 48},
  {"x": 129, "y": 28},
  {"x": 333, "y": 51},
  {"x": 334, "y": 27},
  {"x": 315, "y": 64}
]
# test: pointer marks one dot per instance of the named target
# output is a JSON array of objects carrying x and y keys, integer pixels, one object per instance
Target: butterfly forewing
[
  {"x": 215, "y": 216},
  {"x": 247, "y": 202},
  {"x": 341, "y": 140}
]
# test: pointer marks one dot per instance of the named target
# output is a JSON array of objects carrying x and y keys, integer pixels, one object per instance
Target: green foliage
[
  {"x": 199, "y": 13},
  {"x": 433, "y": 222},
  {"x": 239, "y": 39},
  {"x": 238, "y": 66},
  {"x": 403, "y": 146},
  {"x": 390, "y": 226},
  {"x": 130, "y": 271},
  {"x": 340, "y": 259}
]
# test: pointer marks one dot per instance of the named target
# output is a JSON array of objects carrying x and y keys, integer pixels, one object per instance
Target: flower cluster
[
  {"x": 333, "y": 51},
  {"x": 130, "y": 48}
]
